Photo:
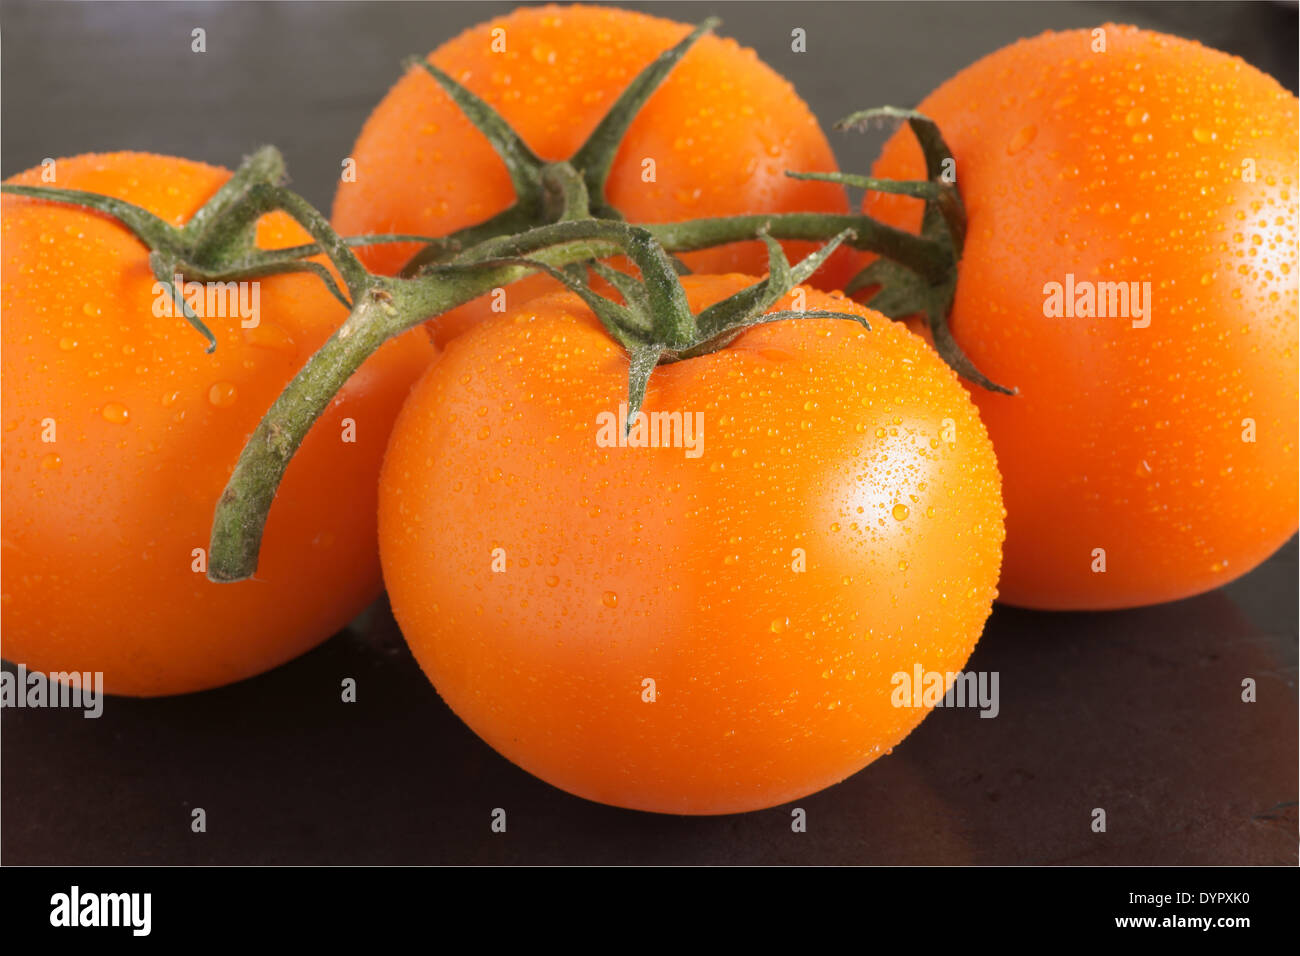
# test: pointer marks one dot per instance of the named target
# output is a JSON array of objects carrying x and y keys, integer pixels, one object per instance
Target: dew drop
[
  {"x": 609, "y": 599},
  {"x": 116, "y": 413},
  {"x": 267, "y": 336},
  {"x": 900, "y": 512},
  {"x": 222, "y": 394},
  {"x": 1024, "y": 136}
]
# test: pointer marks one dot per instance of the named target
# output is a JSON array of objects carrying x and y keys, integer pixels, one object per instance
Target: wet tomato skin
[
  {"x": 1162, "y": 445},
  {"x": 841, "y": 523},
  {"x": 100, "y": 524}
]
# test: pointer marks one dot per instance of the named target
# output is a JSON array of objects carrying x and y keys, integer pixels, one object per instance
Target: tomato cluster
[{"x": 708, "y": 620}]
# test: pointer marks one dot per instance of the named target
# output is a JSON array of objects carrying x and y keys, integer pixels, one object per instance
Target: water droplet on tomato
[
  {"x": 1024, "y": 136},
  {"x": 267, "y": 336},
  {"x": 222, "y": 394}
]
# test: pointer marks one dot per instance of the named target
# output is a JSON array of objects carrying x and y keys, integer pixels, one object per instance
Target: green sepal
[
  {"x": 641, "y": 362},
  {"x": 901, "y": 291},
  {"x": 917, "y": 189},
  {"x": 760, "y": 296},
  {"x": 164, "y": 270},
  {"x": 523, "y": 165},
  {"x": 632, "y": 291},
  {"x": 140, "y": 222},
  {"x": 595, "y": 157}
]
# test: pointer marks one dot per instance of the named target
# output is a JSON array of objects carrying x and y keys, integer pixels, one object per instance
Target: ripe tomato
[
  {"x": 721, "y": 130},
  {"x": 120, "y": 432},
  {"x": 840, "y": 523},
  {"x": 1169, "y": 446}
]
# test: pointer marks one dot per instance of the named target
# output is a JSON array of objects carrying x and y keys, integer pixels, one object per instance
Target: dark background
[{"x": 1138, "y": 712}]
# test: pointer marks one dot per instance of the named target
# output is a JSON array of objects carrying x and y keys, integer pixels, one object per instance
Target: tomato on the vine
[
  {"x": 712, "y": 625},
  {"x": 119, "y": 432},
  {"x": 1151, "y": 452},
  {"x": 714, "y": 140}
]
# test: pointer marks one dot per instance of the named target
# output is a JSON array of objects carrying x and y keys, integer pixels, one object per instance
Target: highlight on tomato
[
  {"x": 120, "y": 430},
  {"x": 711, "y": 135},
  {"x": 1130, "y": 267},
  {"x": 690, "y": 587}
]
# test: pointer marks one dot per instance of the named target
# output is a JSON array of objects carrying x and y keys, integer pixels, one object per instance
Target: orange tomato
[
  {"x": 698, "y": 630},
  {"x": 120, "y": 432},
  {"x": 1160, "y": 446},
  {"x": 721, "y": 130}
]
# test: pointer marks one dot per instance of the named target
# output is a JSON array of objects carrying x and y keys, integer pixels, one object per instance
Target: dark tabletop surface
[{"x": 1138, "y": 711}]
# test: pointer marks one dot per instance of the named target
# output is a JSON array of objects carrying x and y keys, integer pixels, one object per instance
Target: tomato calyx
[
  {"x": 917, "y": 274},
  {"x": 218, "y": 243},
  {"x": 207, "y": 246},
  {"x": 548, "y": 192},
  {"x": 654, "y": 322},
  {"x": 902, "y": 290}
]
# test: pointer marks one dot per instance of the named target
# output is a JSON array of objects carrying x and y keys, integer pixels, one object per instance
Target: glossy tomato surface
[
  {"x": 719, "y": 132},
  {"x": 707, "y": 627},
  {"x": 119, "y": 433},
  {"x": 1157, "y": 443}
]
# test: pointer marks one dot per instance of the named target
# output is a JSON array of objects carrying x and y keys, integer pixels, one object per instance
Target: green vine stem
[
  {"x": 385, "y": 308},
  {"x": 654, "y": 324},
  {"x": 560, "y": 221}
]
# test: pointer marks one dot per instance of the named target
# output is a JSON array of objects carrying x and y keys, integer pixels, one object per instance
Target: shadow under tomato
[{"x": 1136, "y": 712}]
